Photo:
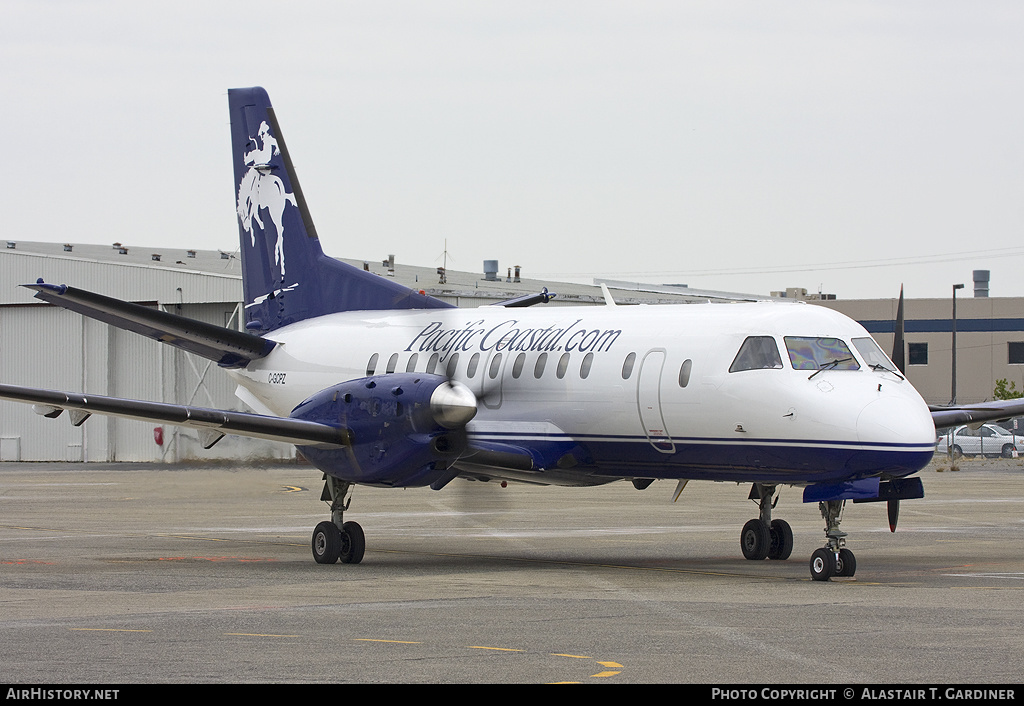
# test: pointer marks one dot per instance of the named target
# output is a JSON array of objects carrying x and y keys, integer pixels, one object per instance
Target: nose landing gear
[{"x": 834, "y": 559}]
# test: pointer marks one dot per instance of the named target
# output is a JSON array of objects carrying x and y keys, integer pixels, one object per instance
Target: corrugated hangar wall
[{"x": 46, "y": 346}]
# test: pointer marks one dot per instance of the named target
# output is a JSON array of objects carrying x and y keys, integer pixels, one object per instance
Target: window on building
[
  {"x": 1015, "y": 352},
  {"x": 917, "y": 354}
]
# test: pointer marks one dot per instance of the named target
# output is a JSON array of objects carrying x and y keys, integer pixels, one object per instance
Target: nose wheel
[{"x": 834, "y": 559}]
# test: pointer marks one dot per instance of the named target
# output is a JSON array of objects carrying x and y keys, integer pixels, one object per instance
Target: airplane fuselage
[{"x": 602, "y": 393}]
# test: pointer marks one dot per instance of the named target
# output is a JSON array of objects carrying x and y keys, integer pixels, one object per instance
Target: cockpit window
[
  {"x": 757, "y": 353},
  {"x": 819, "y": 354},
  {"x": 872, "y": 354}
]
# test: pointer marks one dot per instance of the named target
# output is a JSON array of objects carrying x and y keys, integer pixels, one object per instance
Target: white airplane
[{"x": 377, "y": 384}]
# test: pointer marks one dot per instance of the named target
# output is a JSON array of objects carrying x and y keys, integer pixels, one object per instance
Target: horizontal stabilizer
[
  {"x": 210, "y": 422},
  {"x": 229, "y": 349},
  {"x": 541, "y": 297}
]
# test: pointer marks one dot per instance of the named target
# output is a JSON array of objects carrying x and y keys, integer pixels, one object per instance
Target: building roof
[{"x": 182, "y": 275}]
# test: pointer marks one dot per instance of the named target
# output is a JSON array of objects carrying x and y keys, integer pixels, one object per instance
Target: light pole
[{"x": 953, "y": 386}]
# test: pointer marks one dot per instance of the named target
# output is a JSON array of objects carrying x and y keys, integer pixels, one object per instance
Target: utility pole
[{"x": 952, "y": 399}]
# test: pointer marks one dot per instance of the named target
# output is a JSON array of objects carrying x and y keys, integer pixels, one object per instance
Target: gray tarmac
[{"x": 147, "y": 574}]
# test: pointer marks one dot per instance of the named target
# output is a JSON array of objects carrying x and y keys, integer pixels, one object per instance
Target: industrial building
[{"x": 46, "y": 346}]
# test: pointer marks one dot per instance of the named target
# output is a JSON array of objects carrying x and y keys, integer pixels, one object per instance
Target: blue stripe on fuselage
[{"x": 761, "y": 460}]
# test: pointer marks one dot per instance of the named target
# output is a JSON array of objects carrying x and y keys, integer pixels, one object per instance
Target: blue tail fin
[{"x": 286, "y": 276}]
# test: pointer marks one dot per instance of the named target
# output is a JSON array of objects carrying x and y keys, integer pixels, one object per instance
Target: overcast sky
[{"x": 747, "y": 146}]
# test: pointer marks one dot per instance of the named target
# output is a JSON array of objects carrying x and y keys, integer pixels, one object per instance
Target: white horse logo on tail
[{"x": 261, "y": 189}]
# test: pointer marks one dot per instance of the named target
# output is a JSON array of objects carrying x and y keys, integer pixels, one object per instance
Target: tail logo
[{"x": 260, "y": 189}]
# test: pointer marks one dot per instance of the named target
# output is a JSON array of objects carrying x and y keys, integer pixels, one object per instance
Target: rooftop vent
[
  {"x": 225, "y": 255},
  {"x": 123, "y": 250},
  {"x": 491, "y": 270},
  {"x": 10, "y": 245},
  {"x": 156, "y": 257},
  {"x": 981, "y": 279},
  {"x": 68, "y": 247},
  {"x": 190, "y": 253}
]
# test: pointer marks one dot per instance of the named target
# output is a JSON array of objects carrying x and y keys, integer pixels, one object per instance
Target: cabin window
[
  {"x": 917, "y": 354},
  {"x": 563, "y": 365},
  {"x": 432, "y": 363},
  {"x": 392, "y": 362},
  {"x": 371, "y": 365},
  {"x": 684, "y": 372},
  {"x": 757, "y": 353},
  {"x": 453, "y": 364},
  {"x": 627, "y": 366},
  {"x": 588, "y": 360},
  {"x": 538, "y": 368},
  {"x": 807, "y": 353},
  {"x": 473, "y": 363},
  {"x": 495, "y": 366},
  {"x": 410, "y": 367},
  {"x": 517, "y": 367}
]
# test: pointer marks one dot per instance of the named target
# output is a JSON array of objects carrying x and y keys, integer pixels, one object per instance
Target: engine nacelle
[{"x": 407, "y": 429}]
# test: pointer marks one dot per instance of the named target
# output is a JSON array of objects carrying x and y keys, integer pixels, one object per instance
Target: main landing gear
[
  {"x": 765, "y": 538},
  {"x": 834, "y": 559},
  {"x": 338, "y": 539}
]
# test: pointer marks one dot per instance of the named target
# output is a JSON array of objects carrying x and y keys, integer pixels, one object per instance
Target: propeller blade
[
  {"x": 898, "y": 346},
  {"x": 894, "y": 513}
]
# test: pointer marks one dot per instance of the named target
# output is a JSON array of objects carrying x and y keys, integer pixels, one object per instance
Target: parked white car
[{"x": 988, "y": 440}]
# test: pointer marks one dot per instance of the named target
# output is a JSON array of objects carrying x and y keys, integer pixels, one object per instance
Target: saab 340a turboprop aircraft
[{"x": 380, "y": 385}]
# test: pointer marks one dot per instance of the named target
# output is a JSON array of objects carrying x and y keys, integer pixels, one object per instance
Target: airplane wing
[
  {"x": 212, "y": 424},
  {"x": 997, "y": 410},
  {"x": 229, "y": 349},
  {"x": 946, "y": 416}
]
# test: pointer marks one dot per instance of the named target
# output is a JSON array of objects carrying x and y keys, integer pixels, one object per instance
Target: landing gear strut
[
  {"x": 834, "y": 559},
  {"x": 338, "y": 539},
  {"x": 764, "y": 537}
]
